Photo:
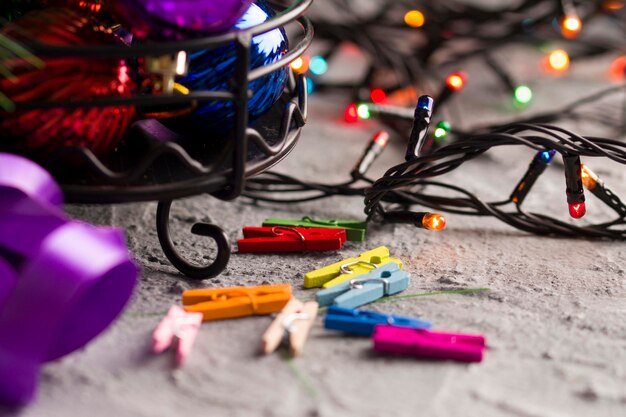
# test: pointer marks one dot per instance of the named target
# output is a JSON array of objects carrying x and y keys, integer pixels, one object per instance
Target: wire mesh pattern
[{"x": 156, "y": 164}]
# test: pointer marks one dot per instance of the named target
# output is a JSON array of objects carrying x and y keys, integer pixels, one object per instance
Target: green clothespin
[{"x": 355, "y": 230}]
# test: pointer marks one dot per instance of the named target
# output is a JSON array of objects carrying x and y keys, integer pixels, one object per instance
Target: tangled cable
[
  {"x": 410, "y": 183},
  {"x": 398, "y": 184},
  {"x": 408, "y": 42}
]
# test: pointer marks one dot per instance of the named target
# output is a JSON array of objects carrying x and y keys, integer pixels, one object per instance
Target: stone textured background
[{"x": 555, "y": 315}]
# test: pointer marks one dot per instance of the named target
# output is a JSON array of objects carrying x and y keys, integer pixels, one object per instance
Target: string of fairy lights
[{"x": 436, "y": 148}]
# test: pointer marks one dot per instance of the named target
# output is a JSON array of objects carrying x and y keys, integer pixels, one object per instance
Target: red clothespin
[
  {"x": 290, "y": 239},
  {"x": 177, "y": 327}
]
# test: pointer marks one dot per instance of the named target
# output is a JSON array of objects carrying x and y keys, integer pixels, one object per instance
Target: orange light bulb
[
  {"x": 571, "y": 26},
  {"x": 300, "y": 65},
  {"x": 617, "y": 71},
  {"x": 613, "y": 5},
  {"x": 558, "y": 60},
  {"x": 433, "y": 221},
  {"x": 414, "y": 18},
  {"x": 588, "y": 177},
  {"x": 456, "y": 81}
]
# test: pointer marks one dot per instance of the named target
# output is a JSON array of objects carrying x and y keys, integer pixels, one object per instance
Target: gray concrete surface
[{"x": 554, "y": 316}]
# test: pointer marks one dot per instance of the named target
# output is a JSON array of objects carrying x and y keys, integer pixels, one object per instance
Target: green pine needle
[
  {"x": 425, "y": 294},
  {"x": 308, "y": 385}
]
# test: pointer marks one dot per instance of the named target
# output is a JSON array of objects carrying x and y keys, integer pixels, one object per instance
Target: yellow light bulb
[{"x": 414, "y": 18}]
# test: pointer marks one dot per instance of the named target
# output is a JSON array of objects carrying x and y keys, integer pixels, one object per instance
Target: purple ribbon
[{"x": 62, "y": 282}]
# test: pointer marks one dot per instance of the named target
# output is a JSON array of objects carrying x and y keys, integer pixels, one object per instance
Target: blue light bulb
[
  {"x": 318, "y": 65},
  {"x": 425, "y": 102},
  {"x": 546, "y": 156}
]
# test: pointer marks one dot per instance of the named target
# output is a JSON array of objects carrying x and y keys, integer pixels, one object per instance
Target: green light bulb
[
  {"x": 523, "y": 95},
  {"x": 363, "y": 111},
  {"x": 440, "y": 133},
  {"x": 442, "y": 129}
]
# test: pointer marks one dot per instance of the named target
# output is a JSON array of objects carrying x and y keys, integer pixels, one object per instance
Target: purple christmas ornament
[{"x": 178, "y": 19}]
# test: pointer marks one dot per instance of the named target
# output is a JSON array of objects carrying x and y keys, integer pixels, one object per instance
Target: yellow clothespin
[
  {"x": 296, "y": 320},
  {"x": 349, "y": 268}
]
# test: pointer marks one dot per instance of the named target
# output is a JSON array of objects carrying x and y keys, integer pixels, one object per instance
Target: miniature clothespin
[
  {"x": 363, "y": 322},
  {"x": 349, "y": 268},
  {"x": 427, "y": 344},
  {"x": 227, "y": 303},
  {"x": 355, "y": 230},
  {"x": 290, "y": 239},
  {"x": 380, "y": 282},
  {"x": 177, "y": 327},
  {"x": 295, "y": 322}
]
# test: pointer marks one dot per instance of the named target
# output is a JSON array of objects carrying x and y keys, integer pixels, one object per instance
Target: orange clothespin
[
  {"x": 228, "y": 303},
  {"x": 295, "y": 321}
]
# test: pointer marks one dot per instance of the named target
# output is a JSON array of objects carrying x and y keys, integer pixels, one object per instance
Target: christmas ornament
[
  {"x": 99, "y": 129},
  {"x": 177, "y": 19},
  {"x": 214, "y": 70},
  {"x": 13, "y": 9}
]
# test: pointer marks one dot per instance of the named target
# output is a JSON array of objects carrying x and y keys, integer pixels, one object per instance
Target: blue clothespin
[
  {"x": 385, "y": 280},
  {"x": 363, "y": 322}
]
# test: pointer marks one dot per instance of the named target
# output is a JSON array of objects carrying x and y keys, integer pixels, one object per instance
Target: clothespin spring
[
  {"x": 224, "y": 297},
  {"x": 345, "y": 270},
  {"x": 288, "y": 323},
  {"x": 358, "y": 283},
  {"x": 181, "y": 327},
  {"x": 289, "y": 229}
]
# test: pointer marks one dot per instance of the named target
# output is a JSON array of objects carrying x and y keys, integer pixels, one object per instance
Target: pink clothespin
[
  {"x": 426, "y": 344},
  {"x": 179, "y": 327}
]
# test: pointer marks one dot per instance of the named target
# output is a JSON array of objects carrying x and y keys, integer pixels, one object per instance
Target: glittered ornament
[
  {"x": 213, "y": 70},
  {"x": 99, "y": 129},
  {"x": 177, "y": 19},
  {"x": 13, "y": 9}
]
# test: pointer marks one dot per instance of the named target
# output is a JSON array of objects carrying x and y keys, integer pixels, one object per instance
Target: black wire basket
[{"x": 147, "y": 168}]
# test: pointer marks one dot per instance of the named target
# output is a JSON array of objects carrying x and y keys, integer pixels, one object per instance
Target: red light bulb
[
  {"x": 381, "y": 138},
  {"x": 577, "y": 210},
  {"x": 351, "y": 115},
  {"x": 377, "y": 95}
]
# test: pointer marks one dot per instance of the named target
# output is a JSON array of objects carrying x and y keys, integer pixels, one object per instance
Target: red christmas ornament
[{"x": 99, "y": 129}]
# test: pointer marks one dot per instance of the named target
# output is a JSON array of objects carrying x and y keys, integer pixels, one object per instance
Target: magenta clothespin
[
  {"x": 177, "y": 326},
  {"x": 427, "y": 344}
]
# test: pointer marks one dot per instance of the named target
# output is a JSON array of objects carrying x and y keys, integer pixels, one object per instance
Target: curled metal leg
[{"x": 201, "y": 229}]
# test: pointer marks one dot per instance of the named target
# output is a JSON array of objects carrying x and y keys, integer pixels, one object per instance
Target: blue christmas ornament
[{"x": 214, "y": 69}]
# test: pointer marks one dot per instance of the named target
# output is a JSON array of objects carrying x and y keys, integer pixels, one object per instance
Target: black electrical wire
[
  {"x": 411, "y": 183},
  {"x": 417, "y": 56}
]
